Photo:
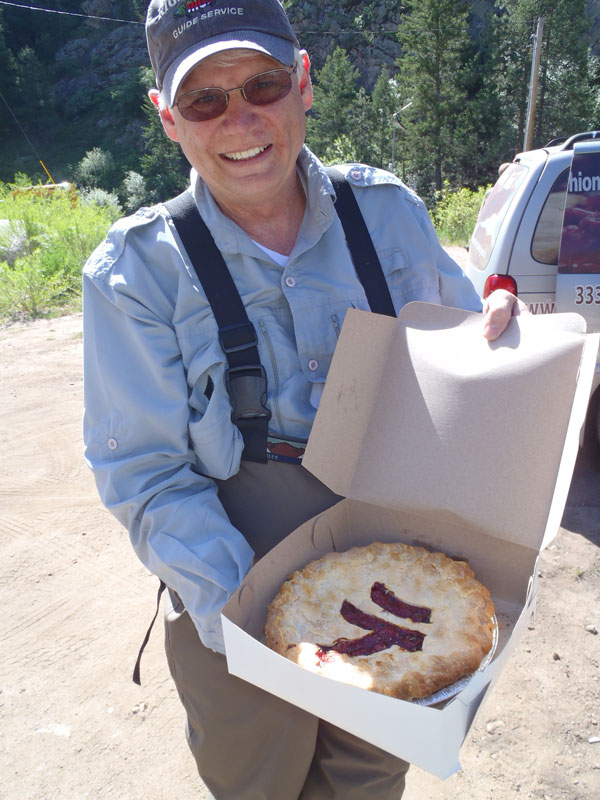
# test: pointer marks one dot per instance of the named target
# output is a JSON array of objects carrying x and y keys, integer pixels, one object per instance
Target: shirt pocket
[
  {"x": 410, "y": 277},
  {"x": 216, "y": 440}
]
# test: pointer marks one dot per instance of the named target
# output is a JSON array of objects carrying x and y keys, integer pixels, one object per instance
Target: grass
[
  {"x": 455, "y": 213},
  {"x": 45, "y": 240},
  {"x": 58, "y": 232}
]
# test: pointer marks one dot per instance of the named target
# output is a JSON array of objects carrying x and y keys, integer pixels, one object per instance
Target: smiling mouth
[{"x": 245, "y": 155}]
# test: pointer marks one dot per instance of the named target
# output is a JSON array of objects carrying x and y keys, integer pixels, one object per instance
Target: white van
[{"x": 538, "y": 235}]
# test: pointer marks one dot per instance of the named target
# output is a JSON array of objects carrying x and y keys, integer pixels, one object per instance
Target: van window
[
  {"x": 492, "y": 214},
  {"x": 580, "y": 240},
  {"x": 546, "y": 237}
]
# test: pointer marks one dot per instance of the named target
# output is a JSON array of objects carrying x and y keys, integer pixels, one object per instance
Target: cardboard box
[{"x": 435, "y": 437}]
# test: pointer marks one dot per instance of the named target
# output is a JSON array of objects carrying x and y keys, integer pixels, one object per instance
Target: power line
[
  {"x": 26, "y": 137},
  {"x": 137, "y": 22},
  {"x": 69, "y": 13}
]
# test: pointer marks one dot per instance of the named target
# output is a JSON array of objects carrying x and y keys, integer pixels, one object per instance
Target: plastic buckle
[
  {"x": 232, "y": 343},
  {"x": 247, "y": 392}
]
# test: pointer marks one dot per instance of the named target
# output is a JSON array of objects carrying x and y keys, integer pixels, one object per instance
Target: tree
[
  {"x": 565, "y": 100},
  {"x": 484, "y": 137},
  {"x": 384, "y": 102},
  {"x": 163, "y": 166},
  {"x": 363, "y": 128},
  {"x": 334, "y": 106},
  {"x": 434, "y": 35},
  {"x": 8, "y": 84},
  {"x": 97, "y": 170}
]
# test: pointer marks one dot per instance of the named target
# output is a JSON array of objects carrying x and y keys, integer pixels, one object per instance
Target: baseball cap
[{"x": 181, "y": 33}]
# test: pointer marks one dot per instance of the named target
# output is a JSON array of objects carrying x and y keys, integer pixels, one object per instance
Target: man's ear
[
  {"x": 304, "y": 81},
  {"x": 165, "y": 115}
]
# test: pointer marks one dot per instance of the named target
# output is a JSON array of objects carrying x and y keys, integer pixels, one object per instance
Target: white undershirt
[{"x": 278, "y": 258}]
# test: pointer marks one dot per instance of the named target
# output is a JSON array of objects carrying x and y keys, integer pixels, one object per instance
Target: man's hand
[{"x": 499, "y": 307}]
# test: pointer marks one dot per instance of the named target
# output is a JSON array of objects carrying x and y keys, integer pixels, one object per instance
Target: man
[{"x": 233, "y": 89}]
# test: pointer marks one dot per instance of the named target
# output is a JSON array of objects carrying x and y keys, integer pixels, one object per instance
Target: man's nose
[{"x": 239, "y": 110}]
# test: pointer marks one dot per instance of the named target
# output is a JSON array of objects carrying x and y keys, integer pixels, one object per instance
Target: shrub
[
  {"x": 46, "y": 278},
  {"x": 27, "y": 292},
  {"x": 135, "y": 191},
  {"x": 97, "y": 170},
  {"x": 102, "y": 199},
  {"x": 455, "y": 212}
]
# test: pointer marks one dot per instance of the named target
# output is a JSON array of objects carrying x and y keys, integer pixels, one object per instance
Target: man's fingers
[{"x": 499, "y": 307}]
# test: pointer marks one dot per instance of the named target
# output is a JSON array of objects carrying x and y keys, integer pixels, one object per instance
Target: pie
[{"x": 392, "y": 618}]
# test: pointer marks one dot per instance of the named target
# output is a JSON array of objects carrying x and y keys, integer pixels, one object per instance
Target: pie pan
[{"x": 455, "y": 688}]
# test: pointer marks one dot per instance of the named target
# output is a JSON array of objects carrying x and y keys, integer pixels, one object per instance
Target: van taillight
[{"x": 500, "y": 282}]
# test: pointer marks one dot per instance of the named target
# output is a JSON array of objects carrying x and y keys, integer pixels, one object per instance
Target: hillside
[{"x": 72, "y": 83}]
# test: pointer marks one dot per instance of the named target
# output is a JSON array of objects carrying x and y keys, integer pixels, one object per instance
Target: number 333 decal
[{"x": 586, "y": 295}]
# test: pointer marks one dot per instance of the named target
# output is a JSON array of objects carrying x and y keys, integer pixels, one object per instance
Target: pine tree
[
  {"x": 163, "y": 166},
  {"x": 334, "y": 105},
  {"x": 565, "y": 99},
  {"x": 434, "y": 36},
  {"x": 8, "y": 85},
  {"x": 384, "y": 103}
]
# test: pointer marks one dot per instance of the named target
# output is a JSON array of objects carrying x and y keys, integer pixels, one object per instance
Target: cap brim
[{"x": 281, "y": 50}]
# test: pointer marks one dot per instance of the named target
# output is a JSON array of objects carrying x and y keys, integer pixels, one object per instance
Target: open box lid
[{"x": 422, "y": 411}]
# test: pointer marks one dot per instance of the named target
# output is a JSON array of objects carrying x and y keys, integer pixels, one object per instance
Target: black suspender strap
[
  {"x": 245, "y": 376},
  {"x": 137, "y": 678},
  {"x": 366, "y": 262}
]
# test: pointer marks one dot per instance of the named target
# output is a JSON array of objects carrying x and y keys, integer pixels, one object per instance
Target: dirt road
[{"x": 76, "y": 604}]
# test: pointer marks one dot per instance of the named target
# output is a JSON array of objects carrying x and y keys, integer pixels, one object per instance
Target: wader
[{"x": 249, "y": 744}]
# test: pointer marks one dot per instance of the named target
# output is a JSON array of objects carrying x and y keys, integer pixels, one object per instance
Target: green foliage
[
  {"x": 455, "y": 213},
  {"x": 97, "y": 170},
  {"x": 565, "y": 100},
  {"x": 385, "y": 102},
  {"x": 135, "y": 191},
  {"x": 59, "y": 236},
  {"x": 27, "y": 292},
  {"x": 333, "y": 111},
  {"x": 163, "y": 167},
  {"x": 341, "y": 151},
  {"x": 435, "y": 39},
  {"x": 101, "y": 199}
]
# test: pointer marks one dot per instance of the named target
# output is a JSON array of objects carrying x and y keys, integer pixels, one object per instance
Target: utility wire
[
  {"x": 137, "y": 22},
  {"x": 26, "y": 137},
  {"x": 69, "y": 13}
]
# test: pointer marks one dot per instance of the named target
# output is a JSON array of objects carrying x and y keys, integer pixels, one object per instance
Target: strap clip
[
  {"x": 236, "y": 337},
  {"x": 247, "y": 387}
]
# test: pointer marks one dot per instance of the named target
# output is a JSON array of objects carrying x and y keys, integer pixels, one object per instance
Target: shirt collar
[{"x": 320, "y": 212}]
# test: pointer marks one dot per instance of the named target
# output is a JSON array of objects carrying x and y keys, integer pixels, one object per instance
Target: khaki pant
[{"x": 249, "y": 744}]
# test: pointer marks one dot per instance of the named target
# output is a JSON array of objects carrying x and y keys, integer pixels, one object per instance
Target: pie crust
[{"x": 304, "y": 621}]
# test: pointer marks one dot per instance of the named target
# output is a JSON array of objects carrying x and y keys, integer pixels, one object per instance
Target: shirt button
[
  {"x": 112, "y": 444},
  {"x": 291, "y": 282},
  {"x": 313, "y": 364}
]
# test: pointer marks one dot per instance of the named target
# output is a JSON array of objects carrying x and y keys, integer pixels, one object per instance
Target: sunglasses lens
[
  {"x": 260, "y": 90},
  {"x": 268, "y": 87},
  {"x": 202, "y": 105}
]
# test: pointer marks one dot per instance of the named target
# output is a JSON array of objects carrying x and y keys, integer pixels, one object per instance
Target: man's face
[{"x": 248, "y": 153}]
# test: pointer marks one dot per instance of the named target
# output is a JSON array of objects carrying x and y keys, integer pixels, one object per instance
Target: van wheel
[
  {"x": 590, "y": 442},
  {"x": 592, "y": 434}
]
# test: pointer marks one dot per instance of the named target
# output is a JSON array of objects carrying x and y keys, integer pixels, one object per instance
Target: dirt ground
[{"x": 76, "y": 603}]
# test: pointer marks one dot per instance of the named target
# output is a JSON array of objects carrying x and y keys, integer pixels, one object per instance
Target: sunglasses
[{"x": 260, "y": 90}]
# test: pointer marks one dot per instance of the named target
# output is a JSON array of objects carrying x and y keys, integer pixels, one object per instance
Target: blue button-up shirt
[{"x": 152, "y": 436}]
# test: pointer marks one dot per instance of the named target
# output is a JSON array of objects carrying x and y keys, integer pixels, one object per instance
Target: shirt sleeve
[
  {"x": 137, "y": 442},
  {"x": 456, "y": 290}
]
